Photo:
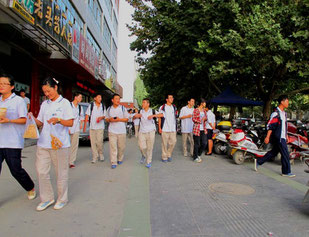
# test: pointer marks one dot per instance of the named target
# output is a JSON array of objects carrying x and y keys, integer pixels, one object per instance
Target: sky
[{"x": 126, "y": 66}]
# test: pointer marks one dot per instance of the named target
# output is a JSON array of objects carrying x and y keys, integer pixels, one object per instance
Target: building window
[
  {"x": 115, "y": 23},
  {"x": 114, "y": 50},
  {"x": 93, "y": 43},
  {"x": 109, "y": 7},
  {"x": 107, "y": 33}
]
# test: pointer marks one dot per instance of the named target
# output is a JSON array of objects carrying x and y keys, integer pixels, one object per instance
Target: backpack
[
  {"x": 91, "y": 109},
  {"x": 163, "y": 119},
  {"x": 109, "y": 109},
  {"x": 79, "y": 108}
]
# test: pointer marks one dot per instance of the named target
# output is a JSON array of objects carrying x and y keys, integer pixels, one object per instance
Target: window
[
  {"x": 93, "y": 43},
  {"x": 107, "y": 33},
  {"x": 114, "y": 50},
  {"x": 115, "y": 23},
  {"x": 109, "y": 7}
]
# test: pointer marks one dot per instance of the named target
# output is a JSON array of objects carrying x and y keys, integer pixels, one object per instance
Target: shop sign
[
  {"x": 18, "y": 86},
  {"x": 87, "y": 57},
  {"x": 81, "y": 85},
  {"x": 24, "y": 8},
  {"x": 53, "y": 16}
]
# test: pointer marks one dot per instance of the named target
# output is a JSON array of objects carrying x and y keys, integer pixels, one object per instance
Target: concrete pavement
[{"x": 176, "y": 199}]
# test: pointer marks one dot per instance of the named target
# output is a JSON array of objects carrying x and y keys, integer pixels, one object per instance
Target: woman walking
[
  {"x": 12, "y": 125},
  {"x": 199, "y": 130},
  {"x": 56, "y": 116}
]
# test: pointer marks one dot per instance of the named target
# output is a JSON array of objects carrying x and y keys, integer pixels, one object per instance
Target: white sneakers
[
  {"x": 43, "y": 205},
  {"x": 31, "y": 194}
]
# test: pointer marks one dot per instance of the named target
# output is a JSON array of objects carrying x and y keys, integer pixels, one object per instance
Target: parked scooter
[
  {"x": 306, "y": 198},
  {"x": 221, "y": 137}
]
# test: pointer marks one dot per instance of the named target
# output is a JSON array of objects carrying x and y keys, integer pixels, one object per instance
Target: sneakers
[
  {"x": 93, "y": 161},
  {"x": 43, "y": 205},
  {"x": 290, "y": 175},
  {"x": 72, "y": 166},
  {"x": 169, "y": 159},
  {"x": 142, "y": 161},
  {"x": 59, "y": 205},
  {"x": 148, "y": 165},
  {"x": 198, "y": 160},
  {"x": 119, "y": 162},
  {"x": 102, "y": 158},
  {"x": 114, "y": 166},
  {"x": 31, "y": 194},
  {"x": 164, "y": 161}
]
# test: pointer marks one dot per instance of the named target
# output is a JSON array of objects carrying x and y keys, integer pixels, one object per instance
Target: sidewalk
[{"x": 177, "y": 199}]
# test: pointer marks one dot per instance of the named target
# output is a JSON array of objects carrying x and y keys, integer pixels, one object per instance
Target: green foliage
[
  {"x": 140, "y": 91},
  {"x": 199, "y": 47}
]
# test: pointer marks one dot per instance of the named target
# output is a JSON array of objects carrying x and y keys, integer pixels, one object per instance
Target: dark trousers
[
  {"x": 13, "y": 160},
  {"x": 200, "y": 143},
  {"x": 285, "y": 156}
]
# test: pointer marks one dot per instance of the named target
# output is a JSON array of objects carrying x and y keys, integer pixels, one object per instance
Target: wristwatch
[{"x": 59, "y": 120}]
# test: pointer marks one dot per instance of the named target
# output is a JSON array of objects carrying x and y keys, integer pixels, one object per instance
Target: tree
[
  {"x": 140, "y": 91},
  {"x": 199, "y": 47}
]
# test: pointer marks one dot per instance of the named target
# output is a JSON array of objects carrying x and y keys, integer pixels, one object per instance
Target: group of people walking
[{"x": 61, "y": 122}]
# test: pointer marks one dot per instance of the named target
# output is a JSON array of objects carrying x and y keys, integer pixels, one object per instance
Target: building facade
[{"x": 74, "y": 41}]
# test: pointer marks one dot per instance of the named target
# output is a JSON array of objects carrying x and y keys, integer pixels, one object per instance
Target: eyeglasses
[{"x": 5, "y": 84}]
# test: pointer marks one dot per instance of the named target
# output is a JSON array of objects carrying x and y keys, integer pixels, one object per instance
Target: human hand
[
  {"x": 53, "y": 121},
  {"x": 266, "y": 141},
  {"x": 150, "y": 117},
  {"x": 4, "y": 120}
]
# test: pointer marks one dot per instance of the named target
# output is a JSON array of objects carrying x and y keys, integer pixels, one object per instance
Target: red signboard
[{"x": 87, "y": 57}]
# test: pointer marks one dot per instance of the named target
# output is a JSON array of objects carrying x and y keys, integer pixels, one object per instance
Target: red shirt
[{"x": 197, "y": 122}]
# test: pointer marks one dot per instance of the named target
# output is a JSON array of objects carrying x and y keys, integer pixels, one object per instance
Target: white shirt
[
  {"x": 78, "y": 116},
  {"x": 283, "y": 118},
  {"x": 119, "y": 112},
  {"x": 27, "y": 100},
  {"x": 136, "y": 121},
  {"x": 146, "y": 125},
  {"x": 202, "y": 115},
  {"x": 211, "y": 118},
  {"x": 96, "y": 112},
  {"x": 169, "y": 118},
  {"x": 186, "y": 124},
  {"x": 60, "y": 108},
  {"x": 11, "y": 134}
]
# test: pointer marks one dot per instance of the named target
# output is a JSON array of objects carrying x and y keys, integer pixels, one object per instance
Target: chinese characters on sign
[{"x": 87, "y": 57}]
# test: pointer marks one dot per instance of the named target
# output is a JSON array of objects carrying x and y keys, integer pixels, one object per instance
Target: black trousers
[
  {"x": 13, "y": 160},
  {"x": 285, "y": 156},
  {"x": 200, "y": 143}
]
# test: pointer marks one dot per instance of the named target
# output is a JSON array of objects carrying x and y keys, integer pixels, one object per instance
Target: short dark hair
[
  {"x": 114, "y": 95},
  {"x": 22, "y": 90},
  {"x": 202, "y": 100},
  {"x": 281, "y": 98},
  {"x": 76, "y": 94},
  {"x": 147, "y": 99},
  {"x": 9, "y": 77},
  {"x": 166, "y": 97},
  {"x": 209, "y": 106},
  {"x": 96, "y": 94},
  {"x": 50, "y": 81}
]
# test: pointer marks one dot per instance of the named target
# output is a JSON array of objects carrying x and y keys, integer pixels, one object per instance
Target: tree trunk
[
  {"x": 267, "y": 109},
  {"x": 232, "y": 112}
]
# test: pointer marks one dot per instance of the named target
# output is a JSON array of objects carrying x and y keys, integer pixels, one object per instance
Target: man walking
[
  {"x": 277, "y": 135},
  {"x": 78, "y": 114},
  {"x": 96, "y": 115},
  {"x": 186, "y": 113},
  {"x": 22, "y": 94},
  {"x": 147, "y": 131},
  {"x": 117, "y": 116},
  {"x": 167, "y": 127},
  {"x": 210, "y": 126}
]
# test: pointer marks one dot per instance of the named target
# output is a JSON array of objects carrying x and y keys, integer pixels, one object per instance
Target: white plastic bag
[{"x": 31, "y": 129}]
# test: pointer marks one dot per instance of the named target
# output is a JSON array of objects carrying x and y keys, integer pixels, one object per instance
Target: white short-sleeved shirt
[
  {"x": 60, "y": 108},
  {"x": 96, "y": 112},
  {"x": 130, "y": 118},
  {"x": 186, "y": 124},
  {"x": 119, "y": 112},
  {"x": 78, "y": 116},
  {"x": 202, "y": 115},
  {"x": 283, "y": 118},
  {"x": 11, "y": 134},
  {"x": 211, "y": 118},
  {"x": 169, "y": 118},
  {"x": 136, "y": 121},
  {"x": 147, "y": 125},
  {"x": 27, "y": 100}
]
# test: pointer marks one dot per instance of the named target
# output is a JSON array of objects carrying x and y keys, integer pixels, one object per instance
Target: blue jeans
[
  {"x": 13, "y": 159},
  {"x": 285, "y": 156}
]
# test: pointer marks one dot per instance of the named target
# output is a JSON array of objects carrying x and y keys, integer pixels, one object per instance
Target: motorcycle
[
  {"x": 306, "y": 198},
  {"x": 130, "y": 131},
  {"x": 221, "y": 137}
]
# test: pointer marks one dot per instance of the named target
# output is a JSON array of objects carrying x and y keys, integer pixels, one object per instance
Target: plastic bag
[
  {"x": 55, "y": 141},
  {"x": 31, "y": 129}
]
